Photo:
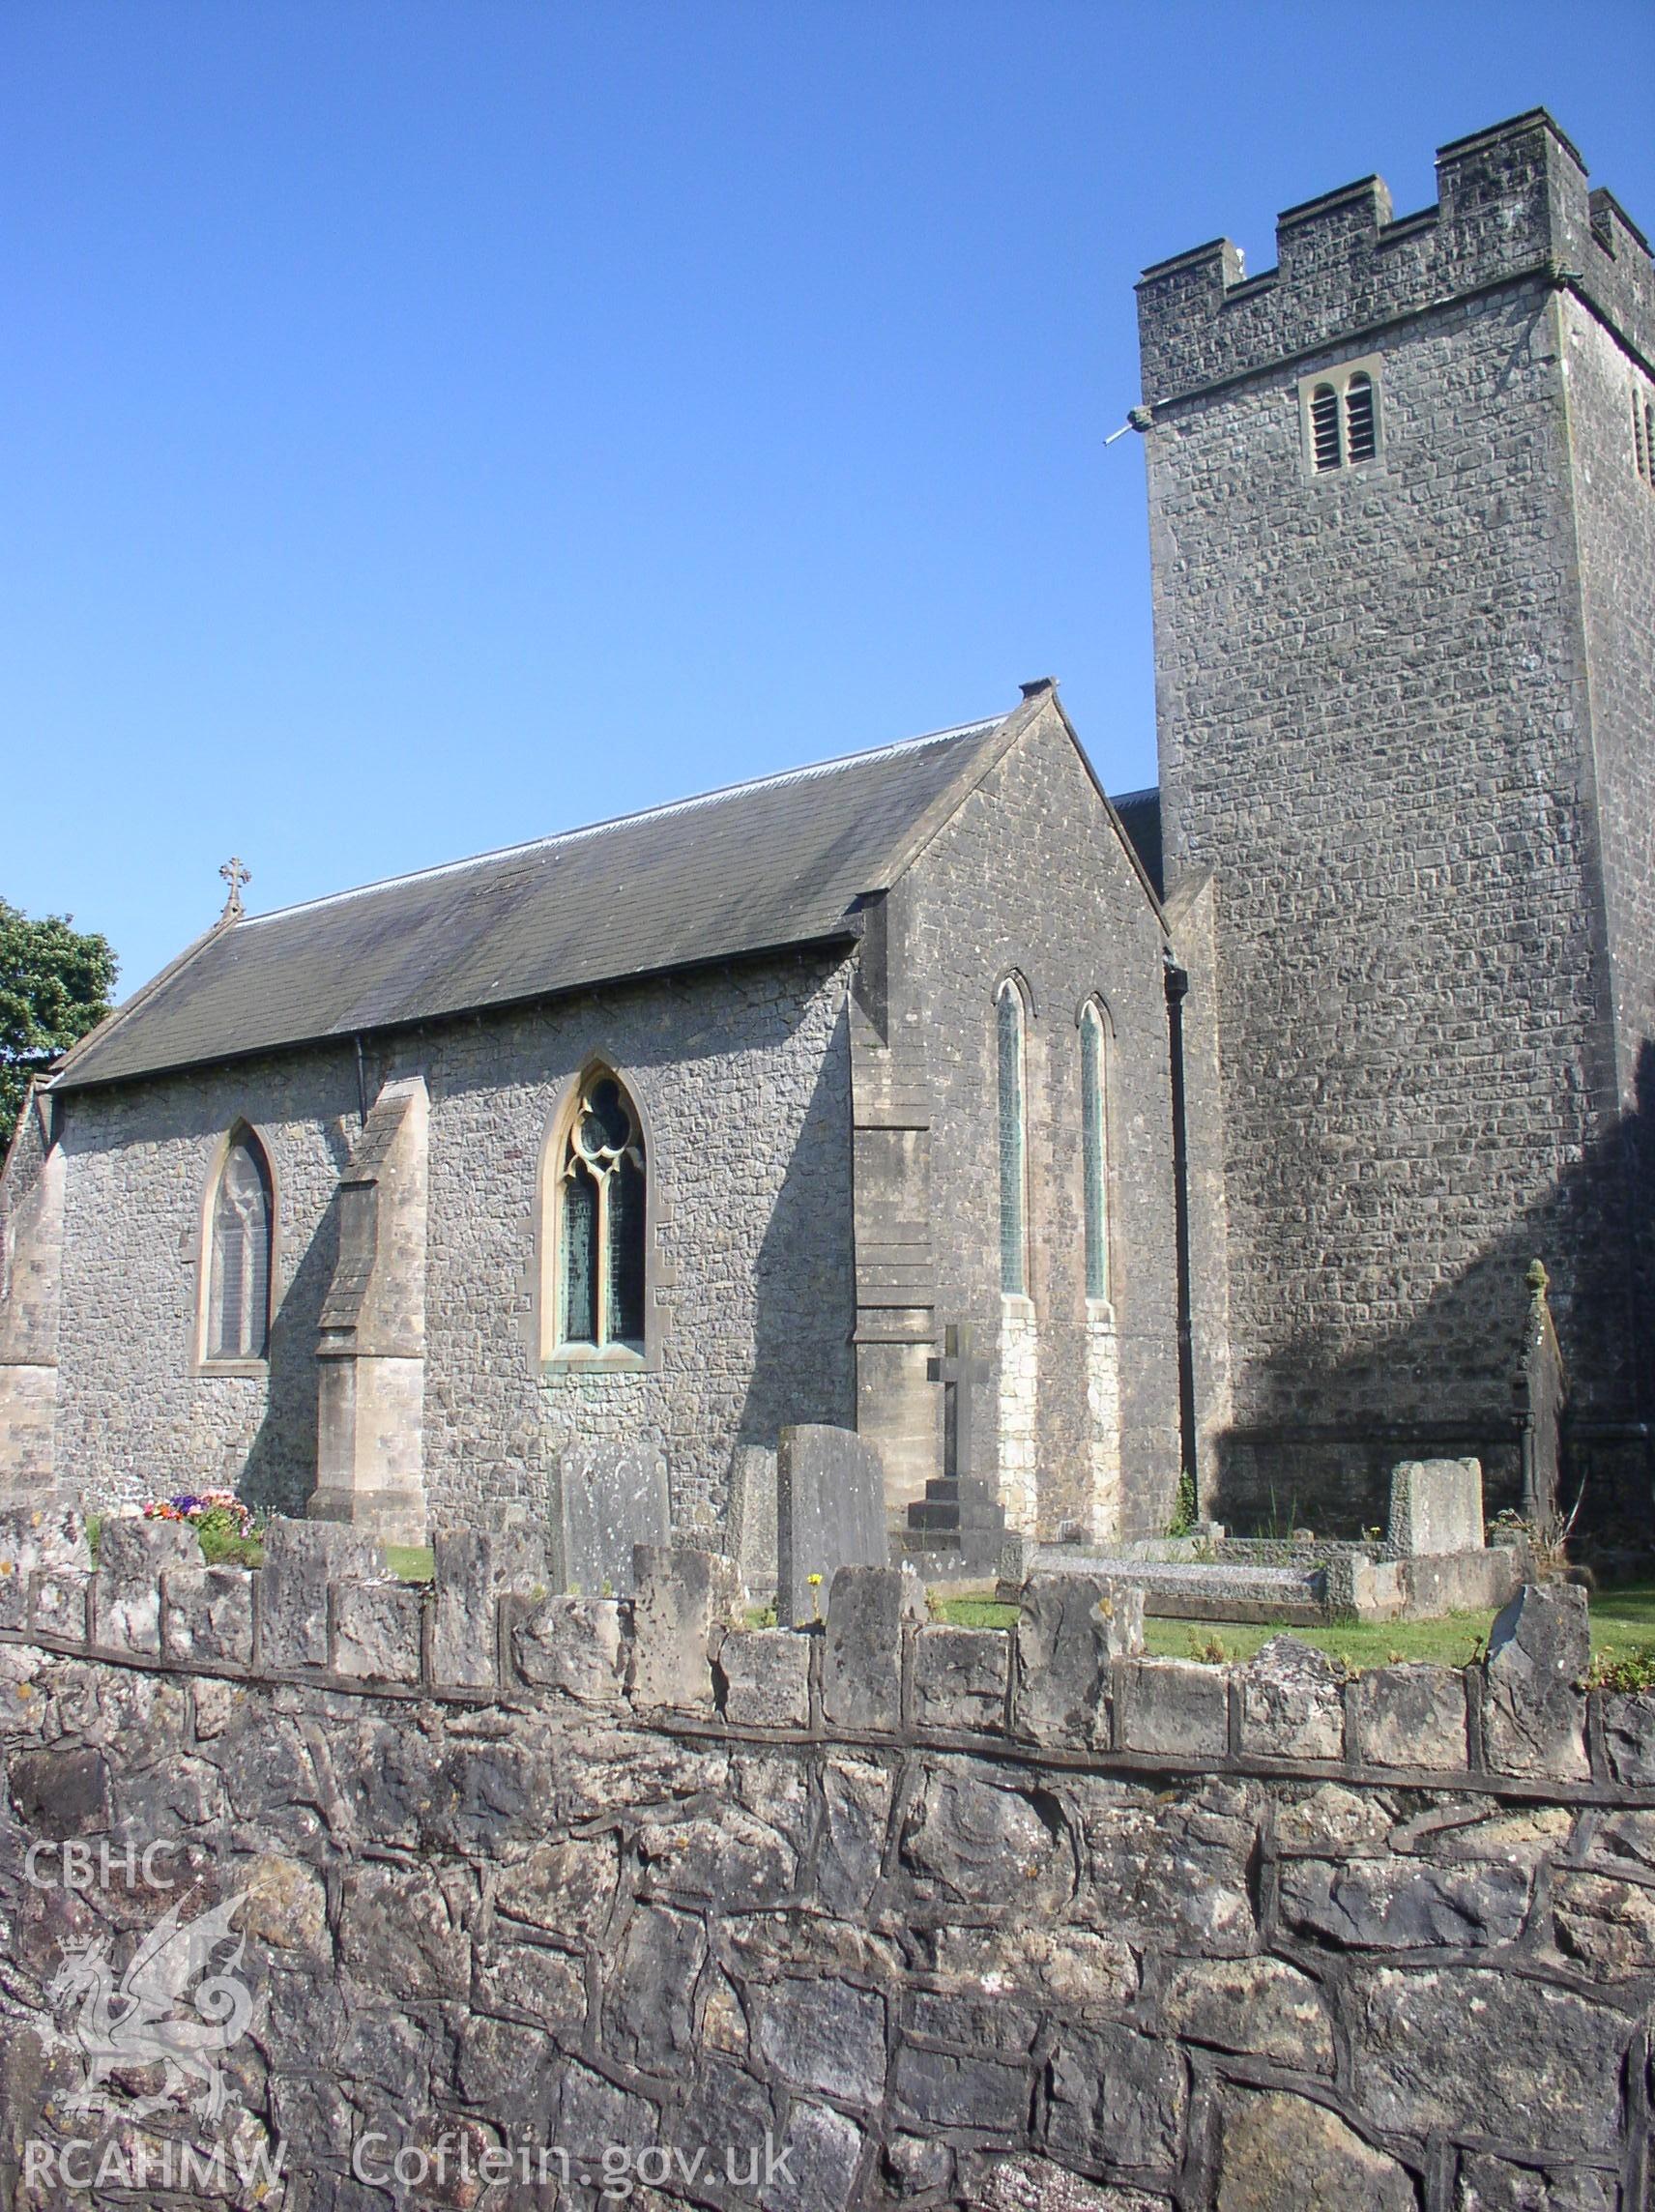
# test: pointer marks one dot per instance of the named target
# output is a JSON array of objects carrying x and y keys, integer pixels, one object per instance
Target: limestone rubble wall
[{"x": 953, "y": 1917}]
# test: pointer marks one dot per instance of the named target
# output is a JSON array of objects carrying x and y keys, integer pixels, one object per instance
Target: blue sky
[{"x": 434, "y": 425}]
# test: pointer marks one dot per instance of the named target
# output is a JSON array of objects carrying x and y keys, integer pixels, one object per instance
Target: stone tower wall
[
  {"x": 1375, "y": 695},
  {"x": 1614, "y": 509}
]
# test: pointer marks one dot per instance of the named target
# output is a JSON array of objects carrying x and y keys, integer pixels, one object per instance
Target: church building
[{"x": 1212, "y": 1131}]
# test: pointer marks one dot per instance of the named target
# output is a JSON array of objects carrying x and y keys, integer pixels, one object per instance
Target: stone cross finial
[{"x": 236, "y": 873}]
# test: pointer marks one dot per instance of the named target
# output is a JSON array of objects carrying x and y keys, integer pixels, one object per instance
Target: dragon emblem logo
[{"x": 177, "y": 2005}]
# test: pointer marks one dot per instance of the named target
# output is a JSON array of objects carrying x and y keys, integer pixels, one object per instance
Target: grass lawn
[{"x": 1623, "y": 1620}]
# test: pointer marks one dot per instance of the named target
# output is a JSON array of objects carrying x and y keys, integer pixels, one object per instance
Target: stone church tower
[{"x": 1401, "y": 495}]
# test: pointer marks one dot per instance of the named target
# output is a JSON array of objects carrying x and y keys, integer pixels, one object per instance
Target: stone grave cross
[{"x": 958, "y": 1371}]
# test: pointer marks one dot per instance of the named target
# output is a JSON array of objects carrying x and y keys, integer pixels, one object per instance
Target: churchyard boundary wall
[{"x": 943, "y": 1916}]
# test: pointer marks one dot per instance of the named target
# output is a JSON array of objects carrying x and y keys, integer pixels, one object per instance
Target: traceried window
[
  {"x": 239, "y": 1261},
  {"x": 600, "y": 1221},
  {"x": 1095, "y": 1144},
  {"x": 1010, "y": 1022},
  {"x": 1340, "y": 411}
]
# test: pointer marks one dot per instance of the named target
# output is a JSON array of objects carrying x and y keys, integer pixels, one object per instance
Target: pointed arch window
[
  {"x": 1010, "y": 1032},
  {"x": 1096, "y": 1039},
  {"x": 598, "y": 1236},
  {"x": 240, "y": 1254}
]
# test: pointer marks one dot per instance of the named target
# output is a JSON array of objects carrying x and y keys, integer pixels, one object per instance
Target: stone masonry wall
[
  {"x": 951, "y": 1918},
  {"x": 1374, "y": 714},
  {"x": 31, "y": 1249},
  {"x": 1616, "y": 520},
  {"x": 1030, "y": 876},
  {"x": 136, "y": 1415},
  {"x": 742, "y": 1078}
]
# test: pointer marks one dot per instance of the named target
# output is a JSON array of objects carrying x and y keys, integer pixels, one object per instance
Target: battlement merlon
[{"x": 1513, "y": 203}]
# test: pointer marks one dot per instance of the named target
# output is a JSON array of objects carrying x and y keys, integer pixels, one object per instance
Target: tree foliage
[{"x": 55, "y": 983}]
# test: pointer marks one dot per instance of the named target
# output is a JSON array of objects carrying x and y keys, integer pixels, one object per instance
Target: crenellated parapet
[{"x": 1513, "y": 202}]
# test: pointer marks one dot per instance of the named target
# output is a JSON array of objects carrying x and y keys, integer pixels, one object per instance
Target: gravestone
[
  {"x": 606, "y": 1499},
  {"x": 830, "y": 1514},
  {"x": 1542, "y": 1394},
  {"x": 1437, "y": 1507},
  {"x": 751, "y": 1539}
]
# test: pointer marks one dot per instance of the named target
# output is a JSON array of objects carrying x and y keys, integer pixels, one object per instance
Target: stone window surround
[
  {"x": 1094, "y": 1007},
  {"x": 201, "y": 1256},
  {"x": 1643, "y": 431},
  {"x": 556, "y": 1357},
  {"x": 1340, "y": 376}
]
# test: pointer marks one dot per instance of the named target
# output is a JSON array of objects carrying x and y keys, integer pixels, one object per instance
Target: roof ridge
[{"x": 621, "y": 821}]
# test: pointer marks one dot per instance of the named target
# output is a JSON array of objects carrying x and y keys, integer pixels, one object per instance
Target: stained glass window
[
  {"x": 602, "y": 1195},
  {"x": 1013, "y": 1176},
  {"x": 580, "y": 1256},
  {"x": 1095, "y": 1149},
  {"x": 238, "y": 1290}
]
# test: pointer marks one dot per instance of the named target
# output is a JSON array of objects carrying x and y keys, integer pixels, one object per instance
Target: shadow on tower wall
[{"x": 1318, "y": 1430}]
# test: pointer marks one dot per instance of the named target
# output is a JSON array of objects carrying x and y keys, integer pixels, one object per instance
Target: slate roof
[
  {"x": 1139, "y": 813},
  {"x": 762, "y": 865}
]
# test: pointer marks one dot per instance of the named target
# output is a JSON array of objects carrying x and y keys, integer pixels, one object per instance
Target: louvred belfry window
[
  {"x": 1361, "y": 435},
  {"x": 1324, "y": 426},
  {"x": 1341, "y": 409},
  {"x": 601, "y": 1201}
]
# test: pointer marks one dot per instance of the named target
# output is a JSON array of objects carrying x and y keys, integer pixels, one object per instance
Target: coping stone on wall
[
  {"x": 475, "y": 1568},
  {"x": 132, "y": 1555},
  {"x": 301, "y": 1559},
  {"x": 684, "y": 1601},
  {"x": 48, "y": 1533},
  {"x": 868, "y": 1609}
]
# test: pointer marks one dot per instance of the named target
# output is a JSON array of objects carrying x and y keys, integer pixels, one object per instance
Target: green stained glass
[
  {"x": 1009, "y": 1024},
  {"x": 580, "y": 1257},
  {"x": 1094, "y": 1153},
  {"x": 625, "y": 1195}
]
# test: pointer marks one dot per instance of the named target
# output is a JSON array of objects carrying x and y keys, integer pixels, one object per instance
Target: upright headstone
[
  {"x": 751, "y": 1540},
  {"x": 1437, "y": 1507},
  {"x": 830, "y": 1514},
  {"x": 606, "y": 1500},
  {"x": 1543, "y": 1393}
]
